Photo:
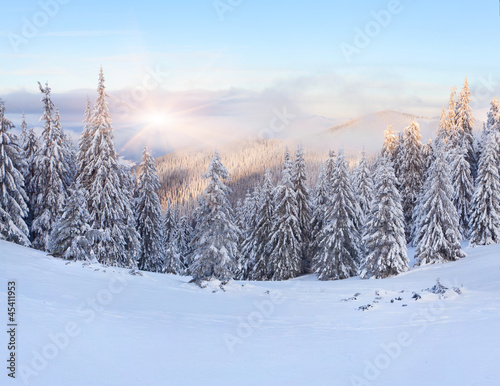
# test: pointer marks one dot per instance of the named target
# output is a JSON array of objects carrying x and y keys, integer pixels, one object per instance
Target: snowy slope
[{"x": 159, "y": 330}]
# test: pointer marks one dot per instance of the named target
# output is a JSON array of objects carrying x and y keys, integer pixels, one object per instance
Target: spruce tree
[
  {"x": 216, "y": 238},
  {"x": 30, "y": 149},
  {"x": 465, "y": 122},
  {"x": 107, "y": 190},
  {"x": 463, "y": 187},
  {"x": 50, "y": 179},
  {"x": 71, "y": 238},
  {"x": 438, "y": 228},
  {"x": 339, "y": 255},
  {"x": 148, "y": 216},
  {"x": 173, "y": 263},
  {"x": 384, "y": 238},
  {"x": 299, "y": 182},
  {"x": 321, "y": 199},
  {"x": 184, "y": 241},
  {"x": 363, "y": 186},
  {"x": 485, "y": 221},
  {"x": 13, "y": 207},
  {"x": 256, "y": 245},
  {"x": 391, "y": 143},
  {"x": 412, "y": 173},
  {"x": 285, "y": 245}
]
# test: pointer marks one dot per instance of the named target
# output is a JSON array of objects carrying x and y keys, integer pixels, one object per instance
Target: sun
[{"x": 157, "y": 118}]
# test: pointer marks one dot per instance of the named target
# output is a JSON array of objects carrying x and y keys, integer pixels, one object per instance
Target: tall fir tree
[
  {"x": 71, "y": 238},
  {"x": 391, "y": 143},
  {"x": 216, "y": 235},
  {"x": 108, "y": 191},
  {"x": 321, "y": 199},
  {"x": 363, "y": 186},
  {"x": 463, "y": 187},
  {"x": 248, "y": 219},
  {"x": 438, "y": 228},
  {"x": 13, "y": 199},
  {"x": 465, "y": 121},
  {"x": 339, "y": 254},
  {"x": 412, "y": 173},
  {"x": 30, "y": 149},
  {"x": 384, "y": 239},
  {"x": 285, "y": 260},
  {"x": 50, "y": 179},
  {"x": 173, "y": 263},
  {"x": 84, "y": 144},
  {"x": 184, "y": 241},
  {"x": 147, "y": 209},
  {"x": 299, "y": 183},
  {"x": 485, "y": 221},
  {"x": 256, "y": 245}
]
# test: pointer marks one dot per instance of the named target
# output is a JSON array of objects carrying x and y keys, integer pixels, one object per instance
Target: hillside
[{"x": 157, "y": 329}]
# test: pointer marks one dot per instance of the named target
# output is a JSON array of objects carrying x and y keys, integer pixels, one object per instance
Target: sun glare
[{"x": 157, "y": 118}]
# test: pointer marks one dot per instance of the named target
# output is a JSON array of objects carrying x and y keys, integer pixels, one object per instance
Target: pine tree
[
  {"x": 339, "y": 256},
  {"x": 438, "y": 227},
  {"x": 485, "y": 221},
  {"x": 391, "y": 143},
  {"x": 363, "y": 186},
  {"x": 299, "y": 183},
  {"x": 50, "y": 179},
  {"x": 256, "y": 245},
  {"x": 463, "y": 187},
  {"x": 71, "y": 238},
  {"x": 330, "y": 171},
  {"x": 84, "y": 145},
  {"x": 216, "y": 238},
  {"x": 13, "y": 207},
  {"x": 30, "y": 149},
  {"x": 412, "y": 173},
  {"x": 248, "y": 223},
  {"x": 320, "y": 201},
  {"x": 285, "y": 246},
  {"x": 428, "y": 154},
  {"x": 465, "y": 121},
  {"x": 147, "y": 209},
  {"x": 173, "y": 263},
  {"x": 184, "y": 241},
  {"x": 107, "y": 191},
  {"x": 69, "y": 154},
  {"x": 384, "y": 239}
]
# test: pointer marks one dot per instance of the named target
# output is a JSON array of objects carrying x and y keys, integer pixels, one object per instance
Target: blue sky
[{"x": 264, "y": 52}]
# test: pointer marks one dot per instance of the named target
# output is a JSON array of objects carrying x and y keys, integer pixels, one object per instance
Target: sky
[{"x": 180, "y": 71}]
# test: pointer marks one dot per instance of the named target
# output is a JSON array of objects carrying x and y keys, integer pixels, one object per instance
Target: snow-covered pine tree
[
  {"x": 107, "y": 191},
  {"x": 399, "y": 158},
  {"x": 248, "y": 220},
  {"x": 84, "y": 144},
  {"x": 173, "y": 263},
  {"x": 384, "y": 239},
  {"x": 339, "y": 254},
  {"x": 363, "y": 186},
  {"x": 330, "y": 171},
  {"x": 463, "y": 186},
  {"x": 30, "y": 149},
  {"x": 442, "y": 135},
  {"x": 299, "y": 183},
  {"x": 69, "y": 153},
  {"x": 148, "y": 216},
  {"x": 321, "y": 198},
  {"x": 438, "y": 228},
  {"x": 71, "y": 238},
  {"x": 391, "y": 142},
  {"x": 50, "y": 179},
  {"x": 465, "y": 121},
  {"x": 216, "y": 235},
  {"x": 184, "y": 241},
  {"x": 428, "y": 154},
  {"x": 412, "y": 171},
  {"x": 13, "y": 207},
  {"x": 285, "y": 260},
  {"x": 256, "y": 245},
  {"x": 485, "y": 220}
]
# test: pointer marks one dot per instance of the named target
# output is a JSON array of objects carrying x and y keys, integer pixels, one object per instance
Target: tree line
[{"x": 85, "y": 205}]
